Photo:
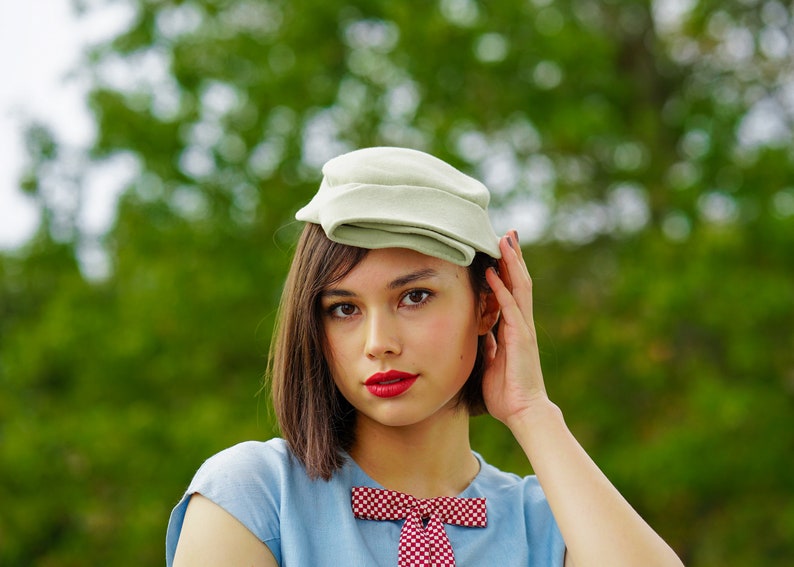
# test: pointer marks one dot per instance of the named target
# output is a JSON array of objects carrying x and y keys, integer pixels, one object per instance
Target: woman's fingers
[
  {"x": 513, "y": 361},
  {"x": 502, "y": 290},
  {"x": 504, "y": 272},
  {"x": 519, "y": 282}
]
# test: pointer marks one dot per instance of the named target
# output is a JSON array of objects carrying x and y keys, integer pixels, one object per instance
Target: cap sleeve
[{"x": 246, "y": 480}]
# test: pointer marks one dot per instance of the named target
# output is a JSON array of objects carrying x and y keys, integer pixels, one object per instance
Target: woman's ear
[{"x": 489, "y": 311}]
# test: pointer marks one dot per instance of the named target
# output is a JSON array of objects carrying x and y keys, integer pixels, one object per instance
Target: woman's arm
[
  {"x": 598, "y": 525},
  {"x": 211, "y": 537}
]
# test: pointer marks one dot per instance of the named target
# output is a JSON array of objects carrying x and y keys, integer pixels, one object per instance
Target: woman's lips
[{"x": 390, "y": 384}]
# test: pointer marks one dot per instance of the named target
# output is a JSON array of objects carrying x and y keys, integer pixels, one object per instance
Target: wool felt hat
[{"x": 386, "y": 197}]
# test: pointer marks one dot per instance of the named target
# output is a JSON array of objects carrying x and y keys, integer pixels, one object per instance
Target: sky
[{"x": 40, "y": 45}]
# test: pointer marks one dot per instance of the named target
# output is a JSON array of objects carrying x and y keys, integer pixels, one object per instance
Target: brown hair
[{"x": 315, "y": 419}]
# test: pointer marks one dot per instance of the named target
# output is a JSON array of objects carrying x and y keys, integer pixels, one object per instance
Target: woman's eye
[
  {"x": 342, "y": 310},
  {"x": 415, "y": 297}
]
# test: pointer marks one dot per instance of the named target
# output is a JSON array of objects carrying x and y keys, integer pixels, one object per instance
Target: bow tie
[{"x": 420, "y": 543}]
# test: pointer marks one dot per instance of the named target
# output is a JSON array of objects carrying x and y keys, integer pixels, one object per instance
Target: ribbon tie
[{"x": 420, "y": 543}]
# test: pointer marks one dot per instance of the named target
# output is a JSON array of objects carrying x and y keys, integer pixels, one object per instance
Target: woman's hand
[
  {"x": 598, "y": 525},
  {"x": 513, "y": 380}
]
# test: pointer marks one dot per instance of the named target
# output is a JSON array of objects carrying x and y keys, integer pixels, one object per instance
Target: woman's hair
[{"x": 315, "y": 419}]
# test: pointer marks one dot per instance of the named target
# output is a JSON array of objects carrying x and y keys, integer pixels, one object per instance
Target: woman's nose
[{"x": 382, "y": 337}]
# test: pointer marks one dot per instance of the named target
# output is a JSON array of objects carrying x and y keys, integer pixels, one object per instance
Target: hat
[{"x": 387, "y": 197}]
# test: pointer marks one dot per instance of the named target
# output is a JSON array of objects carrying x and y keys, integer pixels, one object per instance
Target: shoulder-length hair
[{"x": 316, "y": 421}]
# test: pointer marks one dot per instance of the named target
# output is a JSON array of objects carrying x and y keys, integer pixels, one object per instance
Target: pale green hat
[{"x": 387, "y": 197}]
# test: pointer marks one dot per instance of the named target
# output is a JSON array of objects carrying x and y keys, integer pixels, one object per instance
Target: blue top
[{"x": 308, "y": 522}]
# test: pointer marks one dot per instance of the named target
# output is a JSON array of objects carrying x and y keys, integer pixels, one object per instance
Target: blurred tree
[{"x": 642, "y": 149}]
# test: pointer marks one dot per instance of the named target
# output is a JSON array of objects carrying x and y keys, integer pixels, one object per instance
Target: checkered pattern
[{"x": 420, "y": 544}]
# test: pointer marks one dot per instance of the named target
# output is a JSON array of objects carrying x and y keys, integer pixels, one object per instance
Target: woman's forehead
[{"x": 391, "y": 266}]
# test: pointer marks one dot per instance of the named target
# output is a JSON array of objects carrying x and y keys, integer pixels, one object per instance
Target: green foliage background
[{"x": 643, "y": 150}]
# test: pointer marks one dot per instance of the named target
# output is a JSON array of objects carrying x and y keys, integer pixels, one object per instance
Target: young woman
[{"x": 402, "y": 315}]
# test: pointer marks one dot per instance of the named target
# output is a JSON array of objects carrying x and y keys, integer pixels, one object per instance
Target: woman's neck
[{"x": 429, "y": 459}]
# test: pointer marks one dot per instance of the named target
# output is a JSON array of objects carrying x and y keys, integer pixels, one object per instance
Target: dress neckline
[{"x": 369, "y": 481}]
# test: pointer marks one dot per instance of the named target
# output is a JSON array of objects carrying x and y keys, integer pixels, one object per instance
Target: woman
[{"x": 402, "y": 315}]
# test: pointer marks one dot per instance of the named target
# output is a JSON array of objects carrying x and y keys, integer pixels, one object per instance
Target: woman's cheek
[{"x": 447, "y": 333}]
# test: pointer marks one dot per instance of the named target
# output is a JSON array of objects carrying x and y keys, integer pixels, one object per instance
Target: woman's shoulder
[
  {"x": 512, "y": 490},
  {"x": 249, "y": 462},
  {"x": 519, "y": 506},
  {"x": 274, "y": 451},
  {"x": 498, "y": 479},
  {"x": 245, "y": 480}
]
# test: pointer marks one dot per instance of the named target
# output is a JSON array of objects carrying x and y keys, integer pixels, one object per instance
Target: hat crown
[
  {"x": 398, "y": 197},
  {"x": 399, "y": 167}
]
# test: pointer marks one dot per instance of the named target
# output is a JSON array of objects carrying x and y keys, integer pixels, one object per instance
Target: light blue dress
[{"x": 309, "y": 523}]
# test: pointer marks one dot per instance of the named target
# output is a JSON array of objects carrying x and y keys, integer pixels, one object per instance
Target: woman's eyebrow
[
  {"x": 412, "y": 277},
  {"x": 336, "y": 293},
  {"x": 394, "y": 284}
]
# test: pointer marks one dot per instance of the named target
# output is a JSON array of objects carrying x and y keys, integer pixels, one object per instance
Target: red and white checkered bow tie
[{"x": 420, "y": 544}]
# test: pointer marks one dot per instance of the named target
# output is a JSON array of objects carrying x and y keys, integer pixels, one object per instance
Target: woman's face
[{"x": 401, "y": 331}]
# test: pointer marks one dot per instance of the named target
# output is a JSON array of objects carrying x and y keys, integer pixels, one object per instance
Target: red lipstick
[{"x": 390, "y": 384}]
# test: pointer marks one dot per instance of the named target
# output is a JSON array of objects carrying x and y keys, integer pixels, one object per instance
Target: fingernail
[
  {"x": 515, "y": 235},
  {"x": 510, "y": 241}
]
